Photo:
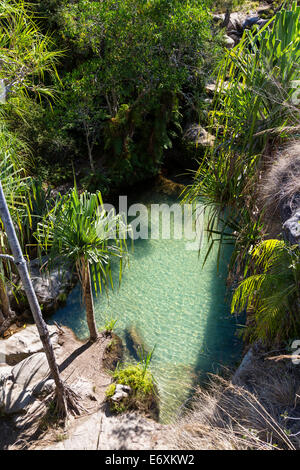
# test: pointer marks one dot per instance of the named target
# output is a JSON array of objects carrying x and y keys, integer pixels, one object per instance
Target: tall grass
[{"x": 255, "y": 106}]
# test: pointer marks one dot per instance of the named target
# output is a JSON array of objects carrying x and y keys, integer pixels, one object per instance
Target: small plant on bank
[
  {"x": 109, "y": 325},
  {"x": 145, "y": 358},
  {"x": 143, "y": 393}
]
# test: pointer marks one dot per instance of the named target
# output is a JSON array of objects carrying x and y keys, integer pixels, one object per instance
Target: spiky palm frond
[
  {"x": 272, "y": 293},
  {"x": 80, "y": 230}
]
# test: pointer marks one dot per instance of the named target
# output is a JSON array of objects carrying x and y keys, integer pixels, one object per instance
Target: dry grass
[
  {"x": 281, "y": 182},
  {"x": 242, "y": 417}
]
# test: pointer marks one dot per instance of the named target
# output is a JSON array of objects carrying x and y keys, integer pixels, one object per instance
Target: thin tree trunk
[
  {"x": 89, "y": 146},
  {"x": 5, "y": 304},
  {"x": 89, "y": 302},
  {"x": 32, "y": 299}
]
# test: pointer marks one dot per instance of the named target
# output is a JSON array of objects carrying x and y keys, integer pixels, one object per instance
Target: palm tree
[
  {"x": 25, "y": 56},
  {"x": 20, "y": 262},
  {"x": 80, "y": 231},
  {"x": 272, "y": 292}
]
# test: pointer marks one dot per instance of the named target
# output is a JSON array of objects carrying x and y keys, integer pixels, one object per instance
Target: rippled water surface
[{"x": 169, "y": 301}]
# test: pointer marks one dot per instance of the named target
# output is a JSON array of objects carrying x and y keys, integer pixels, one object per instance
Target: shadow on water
[{"x": 222, "y": 347}]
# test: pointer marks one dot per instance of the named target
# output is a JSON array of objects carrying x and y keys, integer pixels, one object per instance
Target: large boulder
[
  {"x": 24, "y": 343},
  {"x": 51, "y": 286},
  {"x": 24, "y": 382}
]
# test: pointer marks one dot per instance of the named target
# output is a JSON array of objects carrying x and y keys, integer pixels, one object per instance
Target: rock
[
  {"x": 211, "y": 88},
  {"x": 229, "y": 42},
  {"x": 292, "y": 228},
  {"x": 31, "y": 371},
  {"x": 236, "y": 22},
  {"x": 14, "y": 398},
  {"x": 51, "y": 287},
  {"x": 252, "y": 21},
  {"x": 24, "y": 343},
  {"x": 240, "y": 374},
  {"x": 100, "y": 431},
  {"x": 197, "y": 135},
  {"x": 26, "y": 380},
  {"x": 5, "y": 373},
  {"x": 44, "y": 388},
  {"x": 121, "y": 392}
]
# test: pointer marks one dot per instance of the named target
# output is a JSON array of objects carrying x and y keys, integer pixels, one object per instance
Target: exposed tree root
[{"x": 67, "y": 403}]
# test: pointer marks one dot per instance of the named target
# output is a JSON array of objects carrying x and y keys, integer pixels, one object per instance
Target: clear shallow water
[{"x": 168, "y": 301}]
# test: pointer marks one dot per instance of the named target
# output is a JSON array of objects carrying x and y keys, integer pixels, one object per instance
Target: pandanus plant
[
  {"x": 271, "y": 293},
  {"x": 79, "y": 230}
]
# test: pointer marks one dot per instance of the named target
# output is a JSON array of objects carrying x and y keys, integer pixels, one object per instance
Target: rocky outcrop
[
  {"x": 100, "y": 431},
  {"x": 23, "y": 344},
  {"x": 292, "y": 227},
  {"x": 236, "y": 23},
  {"x": 121, "y": 392},
  {"x": 51, "y": 286},
  {"x": 20, "y": 385}
]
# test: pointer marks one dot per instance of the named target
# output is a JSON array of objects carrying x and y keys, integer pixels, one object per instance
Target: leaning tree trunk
[
  {"x": 32, "y": 299},
  {"x": 5, "y": 304},
  {"x": 89, "y": 301}
]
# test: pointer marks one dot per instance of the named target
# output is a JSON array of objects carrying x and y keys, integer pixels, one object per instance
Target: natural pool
[{"x": 169, "y": 301}]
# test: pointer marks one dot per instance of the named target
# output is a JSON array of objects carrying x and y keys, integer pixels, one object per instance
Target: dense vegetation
[
  {"x": 255, "y": 112},
  {"x": 132, "y": 74},
  {"x": 101, "y": 89}
]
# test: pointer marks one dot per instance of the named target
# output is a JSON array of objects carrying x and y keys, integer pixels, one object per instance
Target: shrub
[{"x": 143, "y": 395}]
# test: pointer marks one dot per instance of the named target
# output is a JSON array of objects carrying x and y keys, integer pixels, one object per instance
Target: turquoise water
[{"x": 169, "y": 301}]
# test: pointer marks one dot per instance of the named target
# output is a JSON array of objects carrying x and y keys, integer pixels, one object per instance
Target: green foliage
[
  {"x": 26, "y": 54},
  {"x": 143, "y": 394},
  {"x": 271, "y": 294},
  {"x": 110, "y": 391},
  {"x": 134, "y": 375},
  {"x": 130, "y": 67},
  {"x": 254, "y": 104},
  {"x": 109, "y": 325},
  {"x": 256, "y": 86},
  {"x": 145, "y": 359},
  {"x": 79, "y": 229}
]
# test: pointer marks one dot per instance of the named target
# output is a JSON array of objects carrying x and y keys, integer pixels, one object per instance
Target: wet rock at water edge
[{"x": 51, "y": 286}]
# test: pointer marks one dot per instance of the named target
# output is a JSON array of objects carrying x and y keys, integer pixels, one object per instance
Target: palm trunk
[
  {"x": 32, "y": 299},
  {"x": 89, "y": 302}
]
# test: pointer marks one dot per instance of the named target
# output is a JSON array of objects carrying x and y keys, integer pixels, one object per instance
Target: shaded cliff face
[{"x": 280, "y": 190}]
